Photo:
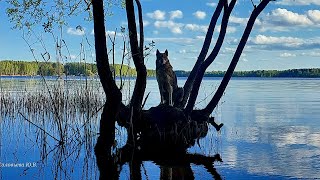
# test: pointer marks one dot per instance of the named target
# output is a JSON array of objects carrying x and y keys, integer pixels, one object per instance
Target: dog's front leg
[
  {"x": 162, "y": 99},
  {"x": 161, "y": 94},
  {"x": 170, "y": 95}
]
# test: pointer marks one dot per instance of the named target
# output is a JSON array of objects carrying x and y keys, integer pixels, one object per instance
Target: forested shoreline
[
  {"x": 33, "y": 68},
  {"x": 27, "y": 68}
]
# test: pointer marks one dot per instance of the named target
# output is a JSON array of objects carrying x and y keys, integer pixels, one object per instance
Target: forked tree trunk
[
  {"x": 163, "y": 126},
  {"x": 137, "y": 56},
  {"x": 203, "y": 53},
  {"x": 113, "y": 94},
  {"x": 133, "y": 114},
  {"x": 224, "y": 83},
  {"x": 223, "y": 30}
]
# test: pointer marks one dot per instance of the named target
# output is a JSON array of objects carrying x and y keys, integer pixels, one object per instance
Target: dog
[{"x": 167, "y": 80}]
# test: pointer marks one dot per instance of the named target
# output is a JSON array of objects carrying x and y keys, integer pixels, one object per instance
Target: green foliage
[
  {"x": 52, "y": 69},
  {"x": 90, "y": 69},
  {"x": 50, "y": 14},
  {"x": 18, "y": 67},
  {"x": 77, "y": 69}
]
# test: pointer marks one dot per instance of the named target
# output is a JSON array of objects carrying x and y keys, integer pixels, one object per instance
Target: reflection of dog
[{"x": 167, "y": 80}]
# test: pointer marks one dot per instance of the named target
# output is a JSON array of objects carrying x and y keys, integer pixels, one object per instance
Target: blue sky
[{"x": 286, "y": 35}]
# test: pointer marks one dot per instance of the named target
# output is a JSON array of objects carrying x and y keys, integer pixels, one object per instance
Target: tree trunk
[
  {"x": 113, "y": 94},
  {"x": 138, "y": 59}
]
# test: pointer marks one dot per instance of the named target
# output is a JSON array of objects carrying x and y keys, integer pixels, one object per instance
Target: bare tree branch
[
  {"x": 105, "y": 74},
  {"x": 189, "y": 83},
  {"x": 113, "y": 94},
  {"x": 141, "y": 41},
  {"x": 214, "y": 53},
  {"x": 138, "y": 59},
  {"x": 216, "y": 98}
]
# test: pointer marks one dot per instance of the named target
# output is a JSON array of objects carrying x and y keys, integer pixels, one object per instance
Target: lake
[{"x": 271, "y": 128}]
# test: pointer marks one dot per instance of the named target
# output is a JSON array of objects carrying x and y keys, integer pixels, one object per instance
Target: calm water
[{"x": 272, "y": 131}]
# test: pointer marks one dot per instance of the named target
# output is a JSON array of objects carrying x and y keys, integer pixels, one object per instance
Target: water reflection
[
  {"x": 271, "y": 132},
  {"x": 165, "y": 147}
]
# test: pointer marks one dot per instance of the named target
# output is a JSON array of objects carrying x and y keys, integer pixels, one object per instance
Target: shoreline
[{"x": 95, "y": 77}]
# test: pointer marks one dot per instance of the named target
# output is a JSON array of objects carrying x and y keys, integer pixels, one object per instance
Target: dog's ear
[
  {"x": 158, "y": 52},
  {"x": 166, "y": 52}
]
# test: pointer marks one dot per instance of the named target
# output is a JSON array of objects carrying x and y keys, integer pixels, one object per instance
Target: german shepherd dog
[{"x": 167, "y": 80}]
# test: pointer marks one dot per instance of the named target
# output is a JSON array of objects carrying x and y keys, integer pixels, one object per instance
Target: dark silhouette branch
[
  {"x": 214, "y": 53},
  {"x": 113, "y": 94},
  {"x": 141, "y": 41},
  {"x": 137, "y": 56},
  {"x": 189, "y": 83},
  {"x": 105, "y": 74},
  {"x": 216, "y": 98},
  {"x": 135, "y": 169}
]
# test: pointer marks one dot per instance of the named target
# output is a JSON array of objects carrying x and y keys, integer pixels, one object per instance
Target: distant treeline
[
  {"x": 25, "y": 68},
  {"x": 33, "y": 68},
  {"x": 311, "y": 73}
]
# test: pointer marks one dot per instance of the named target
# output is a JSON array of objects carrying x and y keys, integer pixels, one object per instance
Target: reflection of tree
[{"x": 166, "y": 145}]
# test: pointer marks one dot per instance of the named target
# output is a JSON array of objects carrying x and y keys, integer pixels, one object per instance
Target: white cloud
[
  {"x": 176, "y": 30},
  {"x": 244, "y": 59},
  {"x": 77, "y": 31},
  {"x": 110, "y": 33},
  {"x": 314, "y": 16},
  {"x": 229, "y": 50},
  {"x": 285, "y": 17},
  {"x": 285, "y": 20},
  {"x": 182, "y": 40},
  {"x": 266, "y": 40},
  {"x": 238, "y": 20},
  {"x": 200, "y": 37},
  {"x": 183, "y": 51},
  {"x": 174, "y": 27},
  {"x": 204, "y": 28},
  {"x": 196, "y": 27},
  {"x": 313, "y": 54},
  {"x": 157, "y": 15},
  {"x": 146, "y": 23},
  {"x": 176, "y": 14},
  {"x": 211, "y": 4},
  {"x": 73, "y": 57},
  {"x": 200, "y": 14},
  {"x": 286, "y": 55},
  {"x": 243, "y": 21},
  {"x": 230, "y": 29},
  {"x": 285, "y": 43},
  {"x": 298, "y": 2}
]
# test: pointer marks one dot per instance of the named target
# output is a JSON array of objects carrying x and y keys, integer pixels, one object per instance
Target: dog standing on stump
[{"x": 167, "y": 80}]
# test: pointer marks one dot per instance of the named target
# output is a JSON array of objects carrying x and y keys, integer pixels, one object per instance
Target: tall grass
[{"x": 63, "y": 124}]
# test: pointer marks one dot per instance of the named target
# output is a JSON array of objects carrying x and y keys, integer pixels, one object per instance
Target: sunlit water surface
[{"x": 271, "y": 131}]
